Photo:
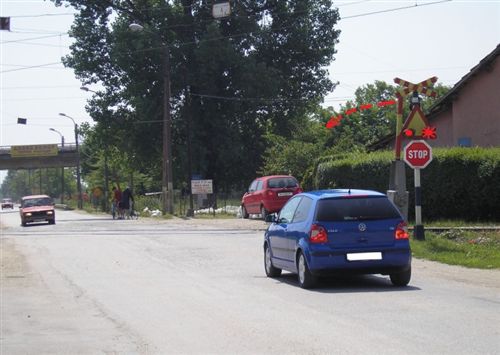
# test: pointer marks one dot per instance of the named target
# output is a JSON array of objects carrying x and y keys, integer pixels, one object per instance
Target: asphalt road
[{"x": 91, "y": 285}]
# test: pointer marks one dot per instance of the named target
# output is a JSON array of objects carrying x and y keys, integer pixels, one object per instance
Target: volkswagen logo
[{"x": 362, "y": 227}]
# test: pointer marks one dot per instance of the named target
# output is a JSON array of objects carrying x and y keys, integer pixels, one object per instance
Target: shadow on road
[{"x": 350, "y": 284}]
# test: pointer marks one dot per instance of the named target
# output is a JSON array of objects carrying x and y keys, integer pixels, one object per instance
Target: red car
[
  {"x": 268, "y": 194},
  {"x": 37, "y": 208},
  {"x": 7, "y": 203}
]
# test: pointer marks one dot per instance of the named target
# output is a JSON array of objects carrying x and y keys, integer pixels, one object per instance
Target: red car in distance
[
  {"x": 37, "y": 208},
  {"x": 268, "y": 194}
]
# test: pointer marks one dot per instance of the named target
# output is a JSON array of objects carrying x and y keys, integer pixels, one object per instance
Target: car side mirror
[{"x": 271, "y": 218}]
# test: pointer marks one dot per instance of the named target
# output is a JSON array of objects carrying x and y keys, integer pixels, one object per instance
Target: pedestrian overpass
[{"x": 38, "y": 156}]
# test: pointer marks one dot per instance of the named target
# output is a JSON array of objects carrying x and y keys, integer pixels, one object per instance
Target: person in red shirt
[{"x": 115, "y": 205}]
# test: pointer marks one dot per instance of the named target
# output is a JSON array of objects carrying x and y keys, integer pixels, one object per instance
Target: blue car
[{"x": 320, "y": 233}]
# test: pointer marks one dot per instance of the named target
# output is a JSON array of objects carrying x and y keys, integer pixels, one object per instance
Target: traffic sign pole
[
  {"x": 418, "y": 154},
  {"x": 418, "y": 231}
]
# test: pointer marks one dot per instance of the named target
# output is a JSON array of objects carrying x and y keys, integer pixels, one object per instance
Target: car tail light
[
  {"x": 270, "y": 193},
  {"x": 401, "y": 231},
  {"x": 298, "y": 190},
  {"x": 318, "y": 234}
]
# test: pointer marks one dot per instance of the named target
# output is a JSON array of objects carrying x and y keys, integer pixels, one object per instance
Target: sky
[{"x": 379, "y": 40}]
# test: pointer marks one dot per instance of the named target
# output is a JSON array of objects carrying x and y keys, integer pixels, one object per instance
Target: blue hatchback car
[{"x": 337, "y": 232}]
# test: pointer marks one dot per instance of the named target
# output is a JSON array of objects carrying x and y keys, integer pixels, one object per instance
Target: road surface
[{"x": 91, "y": 285}]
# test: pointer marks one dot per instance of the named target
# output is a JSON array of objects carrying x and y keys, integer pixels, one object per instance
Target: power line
[
  {"x": 31, "y": 67},
  {"x": 394, "y": 9},
  {"x": 34, "y": 38},
  {"x": 44, "y": 15}
]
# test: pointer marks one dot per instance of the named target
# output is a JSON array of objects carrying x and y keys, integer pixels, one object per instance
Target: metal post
[
  {"x": 418, "y": 232},
  {"x": 190, "y": 212},
  {"x": 62, "y": 173},
  {"x": 78, "y": 178},
  {"x": 167, "y": 180},
  {"x": 106, "y": 179}
]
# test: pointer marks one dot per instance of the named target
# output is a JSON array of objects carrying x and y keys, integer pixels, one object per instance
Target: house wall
[
  {"x": 476, "y": 110},
  {"x": 444, "y": 129}
]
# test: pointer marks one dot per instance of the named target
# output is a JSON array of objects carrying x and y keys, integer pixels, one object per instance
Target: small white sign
[
  {"x": 200, "y": 187},
  {"x": 221, "y": 10}
]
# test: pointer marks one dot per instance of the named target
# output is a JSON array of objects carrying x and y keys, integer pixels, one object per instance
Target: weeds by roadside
[{"x": 476, "y": 249}]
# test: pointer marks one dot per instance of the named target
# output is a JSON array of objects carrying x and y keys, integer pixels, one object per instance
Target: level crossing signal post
[{"x": 417, "y": 154}]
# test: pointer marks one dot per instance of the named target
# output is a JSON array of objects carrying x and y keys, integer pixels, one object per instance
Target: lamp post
[
  {"x": 106, "y": 170},
  {"x": 78, "y": 179},
  {"x": 62, "y": 168},
  {"x": 167, "y": 175}
]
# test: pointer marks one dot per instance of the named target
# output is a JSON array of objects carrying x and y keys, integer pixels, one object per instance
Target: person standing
[
  {"x": 127, "y": 197},
  {"x": 115, "y": 203}
]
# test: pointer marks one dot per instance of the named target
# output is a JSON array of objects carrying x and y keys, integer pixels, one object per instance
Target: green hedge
[{"x": 460, "y": 183}]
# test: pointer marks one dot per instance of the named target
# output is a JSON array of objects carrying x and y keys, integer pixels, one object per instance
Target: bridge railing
[{"x": 71, "y": 147}]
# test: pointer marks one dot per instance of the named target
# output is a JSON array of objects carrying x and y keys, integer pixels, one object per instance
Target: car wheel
[
  {"x": 401, "y": 278},
  {"x": 244, "y": 212},
  {"x": 263, "y": 213},
  {"x": 23, "y": 224},
  {"x": 52, "y": 221},
  {"x": 306, "y": 279},
  {"x": 271, "y": 271}
]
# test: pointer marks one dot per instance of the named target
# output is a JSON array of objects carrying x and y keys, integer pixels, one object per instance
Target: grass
[
  {"x": 459, "y": 223},
  {"x": 474, "y": 249}
]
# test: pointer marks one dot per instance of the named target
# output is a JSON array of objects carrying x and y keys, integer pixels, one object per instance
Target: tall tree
[{"x": 233, "y": 79}]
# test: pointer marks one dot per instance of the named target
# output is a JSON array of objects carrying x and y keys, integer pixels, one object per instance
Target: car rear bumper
[{"x": 335, "y": 262}]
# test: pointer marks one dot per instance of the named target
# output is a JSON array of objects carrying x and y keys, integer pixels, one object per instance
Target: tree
[{"x": 233, "y": 80}]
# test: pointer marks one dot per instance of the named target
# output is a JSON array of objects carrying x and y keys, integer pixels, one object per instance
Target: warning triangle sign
[{"x": 416, "y": 121}]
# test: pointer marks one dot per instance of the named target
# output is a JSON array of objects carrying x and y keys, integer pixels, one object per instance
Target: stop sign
[{"x": 418, "y": 154}]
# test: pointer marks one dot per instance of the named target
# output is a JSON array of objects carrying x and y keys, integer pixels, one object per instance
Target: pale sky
[{"x": 444, "y": 39}]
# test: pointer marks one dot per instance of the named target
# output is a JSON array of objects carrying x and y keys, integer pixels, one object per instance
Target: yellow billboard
[{"x": 36, "y": 150}]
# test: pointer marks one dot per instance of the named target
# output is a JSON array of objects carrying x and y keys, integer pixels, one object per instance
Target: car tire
[
  {"x": 52, "y": 221},
  {"x": 263, "y": 212},
  {"x": 306, "y": 279},
  {"x": 244, "y": 212},
  {"x": 401, "y": 278},
  {"x": 271, "y": 271},
  {"x": 23, "y": 224}
]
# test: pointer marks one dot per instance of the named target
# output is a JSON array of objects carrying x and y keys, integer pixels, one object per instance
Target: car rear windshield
[
  {"x": 282, "y": 182},
  {"x": 44, "y": 201},
  {"x": 356, "y": 209}
]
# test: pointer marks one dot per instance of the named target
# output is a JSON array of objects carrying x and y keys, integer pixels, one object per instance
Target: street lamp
[
  {"x": 62, "y": 167},
  {"x": 84, "y": 88},
  {"x": 167, "y": 175},
  {"x": 78, "y": 179}
]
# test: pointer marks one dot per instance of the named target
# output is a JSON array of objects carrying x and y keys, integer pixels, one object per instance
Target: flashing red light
[
  {"x": 409, "y": 132},
  {"x": 401, "y": 231},
  {"x": 429, "y": 132},
  {"x": 318, "y": 234}
]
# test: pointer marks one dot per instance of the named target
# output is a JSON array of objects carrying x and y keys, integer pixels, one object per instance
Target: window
[
  {"x": 259, "y": 186},
  {"x": 356, "y": 208},
  {"x": 282, "y": 182},
  {"x": 303, "y": 210},
  {"x": 253, "y": 186},
  {"x": 288, "y": 210}
]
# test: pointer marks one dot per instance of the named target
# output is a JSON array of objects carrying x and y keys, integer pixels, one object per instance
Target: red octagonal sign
[{"x": 418, "y": 154}]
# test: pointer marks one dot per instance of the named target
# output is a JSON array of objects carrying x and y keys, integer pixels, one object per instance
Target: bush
[{"x": 460, "y": 183}]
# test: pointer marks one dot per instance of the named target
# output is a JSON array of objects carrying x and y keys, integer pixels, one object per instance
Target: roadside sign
[
  {"x": 221, "y": 10},
  {"x": 38, "y": 150},
  {"x": 200, "y": 187},
  {"x": 417, "y": 154}
]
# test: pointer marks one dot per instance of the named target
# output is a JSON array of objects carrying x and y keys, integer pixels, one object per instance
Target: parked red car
[
  {"x": 37, "y": 208},
  {"x": 268, "y": 194}
]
